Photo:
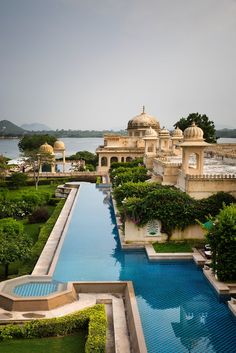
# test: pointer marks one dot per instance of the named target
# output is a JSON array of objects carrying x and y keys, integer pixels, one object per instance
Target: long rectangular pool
[{"x": 179, "y": 310}]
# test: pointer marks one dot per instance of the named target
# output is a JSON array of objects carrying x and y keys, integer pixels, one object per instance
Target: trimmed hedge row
[
  {"x": 44, "y": 233},
  {"x": 94, "y": 318},
  {"x": 46, "y": 230}
]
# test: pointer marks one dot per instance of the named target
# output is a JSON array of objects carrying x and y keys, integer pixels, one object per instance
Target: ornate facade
[{"x": 174, "y": 159}]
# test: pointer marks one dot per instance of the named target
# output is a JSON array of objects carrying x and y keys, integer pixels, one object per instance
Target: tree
[
  {"x": 29, "y": 146},
  {"x": 33, "y": 142},
  {"x": 14, "y": 244},
  {"x": 3, "y": 167},
  {"x": 203, "y": 122},
  {"x": 89, "y": 158},
  {"x": 17, "y": 180},
  {"x": 222, "y": 239}
]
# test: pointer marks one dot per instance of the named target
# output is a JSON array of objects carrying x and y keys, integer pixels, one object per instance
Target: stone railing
[
  {"x": 167, "y": 162},
  {"x": 211, "y": 176}
]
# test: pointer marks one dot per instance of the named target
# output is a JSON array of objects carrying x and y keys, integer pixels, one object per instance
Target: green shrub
[
  {"x": 45, "y": 231},
  {"x": 135, "y": 163},
  {"x": 53, "y": 201},
  {"x": 222, "y": 239},
  {"x": 17, "y": 180},
  {"x": 94, "y": 318},
  {"x": 16, "y": 208},
  {"x": 123, "y": 175},
  {"x": 36, "y": 198},
  {"x": 131, "y": 189},
  {"x": 39, "y": 215},
  {"x": 143, "y": 202},
  {"x": 14, "y": 244}
]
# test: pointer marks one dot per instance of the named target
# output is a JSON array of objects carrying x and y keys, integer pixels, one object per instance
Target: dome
[
  {"x": 193, "y": 133},
  {"x": 46, "y": 148},
  {"x": 164, "y": 132},
  {"x": 177, "y": 132},
  {"x": 143, "y": 121},
  {"x": 59, "y": 145},
  {"x": 150, "y": 132}
]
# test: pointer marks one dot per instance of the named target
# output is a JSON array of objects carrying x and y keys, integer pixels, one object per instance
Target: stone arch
[
  {"x": 104, "y": 161},
  {"x": 114, "y": 159},
  {"x": 122, "y": 159},
  {"x": 129, "y": 159}
]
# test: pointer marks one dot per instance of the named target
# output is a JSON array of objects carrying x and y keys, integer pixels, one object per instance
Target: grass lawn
[
  {"x": 13, "y": 193},
  {"x": 172, "y": 246},
  {"x": 69, "y": 344}
]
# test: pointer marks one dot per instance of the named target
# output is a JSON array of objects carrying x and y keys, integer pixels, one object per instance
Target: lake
[{"x": 9, "y": 147}]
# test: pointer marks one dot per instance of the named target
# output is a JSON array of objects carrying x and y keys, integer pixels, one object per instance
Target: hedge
[
  {"x": 44, "y": 233},
  {"x": 46, "y": 230},
  {"x": 92, "y": 318}
]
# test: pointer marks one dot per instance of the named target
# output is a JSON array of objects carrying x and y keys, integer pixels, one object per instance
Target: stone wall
[{"x": 133, "y": 233}]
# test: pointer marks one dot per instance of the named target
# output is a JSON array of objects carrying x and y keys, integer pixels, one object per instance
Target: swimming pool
[{"x": 179, "y": 310}]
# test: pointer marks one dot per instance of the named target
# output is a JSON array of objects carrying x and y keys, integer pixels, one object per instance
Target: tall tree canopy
[
  {"x": 33, "y": 142},
  {"x": 29, "y": 145},
  {"x": 203, "y": 122}
]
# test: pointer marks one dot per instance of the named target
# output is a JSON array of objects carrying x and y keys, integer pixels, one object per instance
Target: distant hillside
[
  {"x": 35, "y": 127},
  {"x": 226, "y": 133},
  {"x": 9, "y": 129}
]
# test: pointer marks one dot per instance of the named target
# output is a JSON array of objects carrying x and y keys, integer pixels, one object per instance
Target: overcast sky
[{"x": 92, "y": 64}]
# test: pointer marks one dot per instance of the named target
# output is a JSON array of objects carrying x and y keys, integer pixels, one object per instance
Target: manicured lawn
[
  {"x": 32, "y": 230},
  {"x": 176, "y": 246},
  {"x": 13, "y": 193},
  {"x": 68, "y": 344}
]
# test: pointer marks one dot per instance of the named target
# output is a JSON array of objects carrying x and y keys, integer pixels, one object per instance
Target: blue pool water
[
  {"x": 36, "y": 289},
  {"x": 179, "y": 310}
]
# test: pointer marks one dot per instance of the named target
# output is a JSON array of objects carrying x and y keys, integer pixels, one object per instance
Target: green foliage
[
  {"x": 3, "y": 167},
  {"x": 131, "y": 189},
  {"x": 88, "y": 157},
  {"x": 74, "y": 343},
  {"x": 23, "y": 203},
  {"x": 173, "y": 208},
  {"x": 98, "y": 180},
  {"x": 135, "y": 163},
  {"x": 94, "y": 318},
  {"x": 53, "y": 201},
  {"x": 39, "y": 215},
  {"x": 45, "y": 232},
  {"x": 203, "y": 122},
  {"x": 14, "y": 244},
  {"x": 33, "y": 142},
  {"x": 173, "y": 247},
  {"x": 122, "y": 175},
  {"x": 222, "y": 239},
  {"x": 17, "y": 180},
  {"x": 17, "y": 209},
  {"x": 143, "y": 202}
]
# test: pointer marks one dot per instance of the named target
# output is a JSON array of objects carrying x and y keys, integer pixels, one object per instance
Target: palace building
[{"x": 176, "y": 158}]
